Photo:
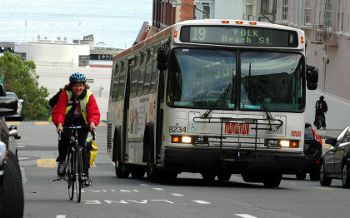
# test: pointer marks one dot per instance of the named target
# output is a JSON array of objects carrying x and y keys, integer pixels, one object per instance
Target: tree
[{"x": 19, "y": 76}]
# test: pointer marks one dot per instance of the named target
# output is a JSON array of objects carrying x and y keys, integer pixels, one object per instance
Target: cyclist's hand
[
  {"x": 92, "y": 127},
  {"x": 59, "y": 128}
]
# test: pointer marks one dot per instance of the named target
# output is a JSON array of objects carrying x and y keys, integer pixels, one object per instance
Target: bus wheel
[
  {"x": 121, "y": 170},
  {"x": 224, "y": 177},
  {"x": 272, "y": 181},
  {"x": 152, "y": 172},
  {"x": 208, "y": 176},
  {"x": 137, "y": 172}
]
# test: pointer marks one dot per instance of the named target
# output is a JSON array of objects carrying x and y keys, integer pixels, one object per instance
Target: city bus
[{"x": 215, "y": 97}]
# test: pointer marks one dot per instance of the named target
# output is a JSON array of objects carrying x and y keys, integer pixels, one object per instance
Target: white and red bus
[{"x": 216, "y": 97}]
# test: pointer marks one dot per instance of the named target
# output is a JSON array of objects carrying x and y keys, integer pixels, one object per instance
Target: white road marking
[
  {"x": 328, "y": 189},
  {"x": 23, "y": 158},
  {"x": 246, "y": 216},
  {"x": 201, "y": 202},
  {"x": 116, "y": 202},
  {"x": 61, "y": 216},
  {"x": 167, "y": 201},
  {"x": 125, "y": 191},
  {"x": 92, "y": 202},
  {"x": 145, "y": 185},
  {"x": 177, "y": 195},
  {"x": 24, "y": 178},
  {"x": 158, "y": 189}
]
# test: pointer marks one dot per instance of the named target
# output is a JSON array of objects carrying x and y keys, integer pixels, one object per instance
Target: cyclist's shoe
[
  {"x": 86, "y": 182},
  {"x": 61, "y": 169}
]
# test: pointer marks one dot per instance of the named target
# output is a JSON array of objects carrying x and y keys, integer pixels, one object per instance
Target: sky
[{"x": 114, "y": 23}]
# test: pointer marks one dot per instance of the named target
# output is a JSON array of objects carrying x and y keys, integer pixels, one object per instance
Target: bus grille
[{"x": 109, "y": 136}]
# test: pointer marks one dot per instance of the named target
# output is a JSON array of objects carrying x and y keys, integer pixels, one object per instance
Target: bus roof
[{"x": 208, "y": 22}]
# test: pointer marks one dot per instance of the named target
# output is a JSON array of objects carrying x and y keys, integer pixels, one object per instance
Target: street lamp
[{"x": 174, "y": 4}]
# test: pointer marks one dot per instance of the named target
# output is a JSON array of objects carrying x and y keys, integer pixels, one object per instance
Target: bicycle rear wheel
[
  {"x": 78, "y": 175},
  {"x": 70, "y": 174}
]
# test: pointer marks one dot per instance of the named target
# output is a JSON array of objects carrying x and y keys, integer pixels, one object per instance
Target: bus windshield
[
  {"x": 272, "y": 80},
  {"x": 198, "y": 77},
  {"x": 269, "y": 81}
]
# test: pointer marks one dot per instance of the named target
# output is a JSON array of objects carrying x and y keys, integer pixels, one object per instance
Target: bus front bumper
[{"x": 231, "y": 159}]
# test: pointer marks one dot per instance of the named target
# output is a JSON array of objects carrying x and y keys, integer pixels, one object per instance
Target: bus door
[{"x": 126, "y": 114}]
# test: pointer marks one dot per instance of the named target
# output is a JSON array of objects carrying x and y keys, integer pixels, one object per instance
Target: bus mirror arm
[{"x": 163, "y": 56}]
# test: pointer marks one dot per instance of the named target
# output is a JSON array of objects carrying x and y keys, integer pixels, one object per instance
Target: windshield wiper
[
  {"x": 228, "y": 89},
  {"x": 257, "y": 96}
]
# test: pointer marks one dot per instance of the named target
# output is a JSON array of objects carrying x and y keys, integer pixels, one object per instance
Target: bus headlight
[
  {"x": 284, "y": 143},
  {"x": 2, "y": 152},
  {"x": 289, "y": 143},
  {"x": 181, "y": 139}
]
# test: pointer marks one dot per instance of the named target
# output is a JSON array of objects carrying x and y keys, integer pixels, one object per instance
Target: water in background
[{"x": 114, "y": 23}]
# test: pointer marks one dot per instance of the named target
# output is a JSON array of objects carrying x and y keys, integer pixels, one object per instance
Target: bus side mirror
[
  {"x": 162, "y": 57},
  {"x": 311, "y": 77}
]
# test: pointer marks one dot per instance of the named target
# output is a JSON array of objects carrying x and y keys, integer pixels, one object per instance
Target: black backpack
[{"x": 54, "y": 99}]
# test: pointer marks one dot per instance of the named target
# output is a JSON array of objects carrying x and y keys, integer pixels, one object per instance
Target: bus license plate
[{"x": 236, "y": 128}]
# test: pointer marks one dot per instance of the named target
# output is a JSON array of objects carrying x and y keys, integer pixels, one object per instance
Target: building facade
[
  {"x": 56, "y": 61},
  {"x": 168, "y": 12}
]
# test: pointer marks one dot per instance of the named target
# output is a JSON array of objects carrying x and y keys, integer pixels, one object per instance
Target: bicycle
[{"x": 74, "y": 160}]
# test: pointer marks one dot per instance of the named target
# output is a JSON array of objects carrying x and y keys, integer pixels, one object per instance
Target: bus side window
[
  {"x": 155, "y": 75},
  {"x": 121, "y": 87},
  {"x": 115, "y": 82},
  {"x": 142, "y": 74},
  {"x": 148, "y": 74},
  {"x": 135, "y": 70}
]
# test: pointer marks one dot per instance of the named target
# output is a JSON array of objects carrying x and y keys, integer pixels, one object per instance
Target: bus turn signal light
[
  {"x": 239, "y": 22},
  {"x": 175, "y": 139},
  {"x": 225, "y": 22},
  {"x": 294, "y": 144},
  {"x": 181, "y": 139},
  {"x": 253, "y": 23}
]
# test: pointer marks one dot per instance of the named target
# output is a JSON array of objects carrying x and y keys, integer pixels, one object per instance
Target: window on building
[
  {"x": 340, "y": 15},
  {"x": 206, "y": 10},
  {"x": 249, "y": 12},
  {"x": 264, "y": 7},
  {"x": 328, "y": 14},
  {"x": 83, "y": 60},
  {"x": 308, "y": 11},
  {"x": 285, "y": 10}
]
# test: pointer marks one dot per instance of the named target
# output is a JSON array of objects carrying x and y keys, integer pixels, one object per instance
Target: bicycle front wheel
[
  {"x": 70, "y": 175},
  {"x": 78, "y": 175}
]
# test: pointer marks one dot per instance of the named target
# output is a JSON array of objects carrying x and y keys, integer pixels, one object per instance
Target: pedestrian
[
  {"x": 76, "y": 106},
  {"x": 320, "y": 109}
]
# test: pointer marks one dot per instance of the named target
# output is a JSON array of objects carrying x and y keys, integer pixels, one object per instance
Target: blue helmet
[{"x": 77, "y": 78}]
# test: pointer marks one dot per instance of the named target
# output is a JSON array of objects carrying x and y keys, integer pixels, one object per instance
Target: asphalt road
[{"x": 188, "y": 196}]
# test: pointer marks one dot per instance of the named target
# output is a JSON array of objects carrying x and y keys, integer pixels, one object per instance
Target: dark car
[
  {"x": 11, "y": 189},
  {"x": 19, "y": 113},
  {"x": 335, "y": 163},
  {"x": 312, "y": 152}
]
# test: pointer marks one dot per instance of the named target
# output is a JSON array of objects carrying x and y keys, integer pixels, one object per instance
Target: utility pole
[{"x": 298, "y": 13}]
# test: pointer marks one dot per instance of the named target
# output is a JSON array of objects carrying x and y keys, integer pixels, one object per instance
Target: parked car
[
  {"x": 312, "y": 152},
  {"x": 19, "y": 114},
  {"x": 335, "y": 163},
  {"x": 11, "y": 189}
]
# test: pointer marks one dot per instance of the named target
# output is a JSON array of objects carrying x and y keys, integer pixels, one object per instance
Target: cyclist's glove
[
  {"x": 92, "y": 127},
  {"x": 59, "y": 128}
]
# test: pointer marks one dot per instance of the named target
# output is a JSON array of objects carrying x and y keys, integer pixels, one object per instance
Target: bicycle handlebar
[{"x": 93, "y": 132}]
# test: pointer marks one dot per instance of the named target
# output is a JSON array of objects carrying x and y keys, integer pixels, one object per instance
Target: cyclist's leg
[{"x": 62, "y": 150}]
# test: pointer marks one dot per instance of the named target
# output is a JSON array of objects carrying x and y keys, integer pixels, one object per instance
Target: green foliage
[{"x": 20, "y": 77}]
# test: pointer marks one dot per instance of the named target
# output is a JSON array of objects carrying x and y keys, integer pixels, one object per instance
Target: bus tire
[
  {"x": 272, "y": 181},
  {"x": 122, "y": 170},
  {"x": 208, "y": 176},
  {"x": 137, "y": 172},
  {"x": 224, "y": 176}
]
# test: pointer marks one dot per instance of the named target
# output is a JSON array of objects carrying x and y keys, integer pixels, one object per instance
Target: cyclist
[{"x": 76, "y": 106}]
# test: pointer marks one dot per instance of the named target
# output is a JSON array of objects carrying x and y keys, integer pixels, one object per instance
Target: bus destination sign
[{"x": 239, "y": 36}]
